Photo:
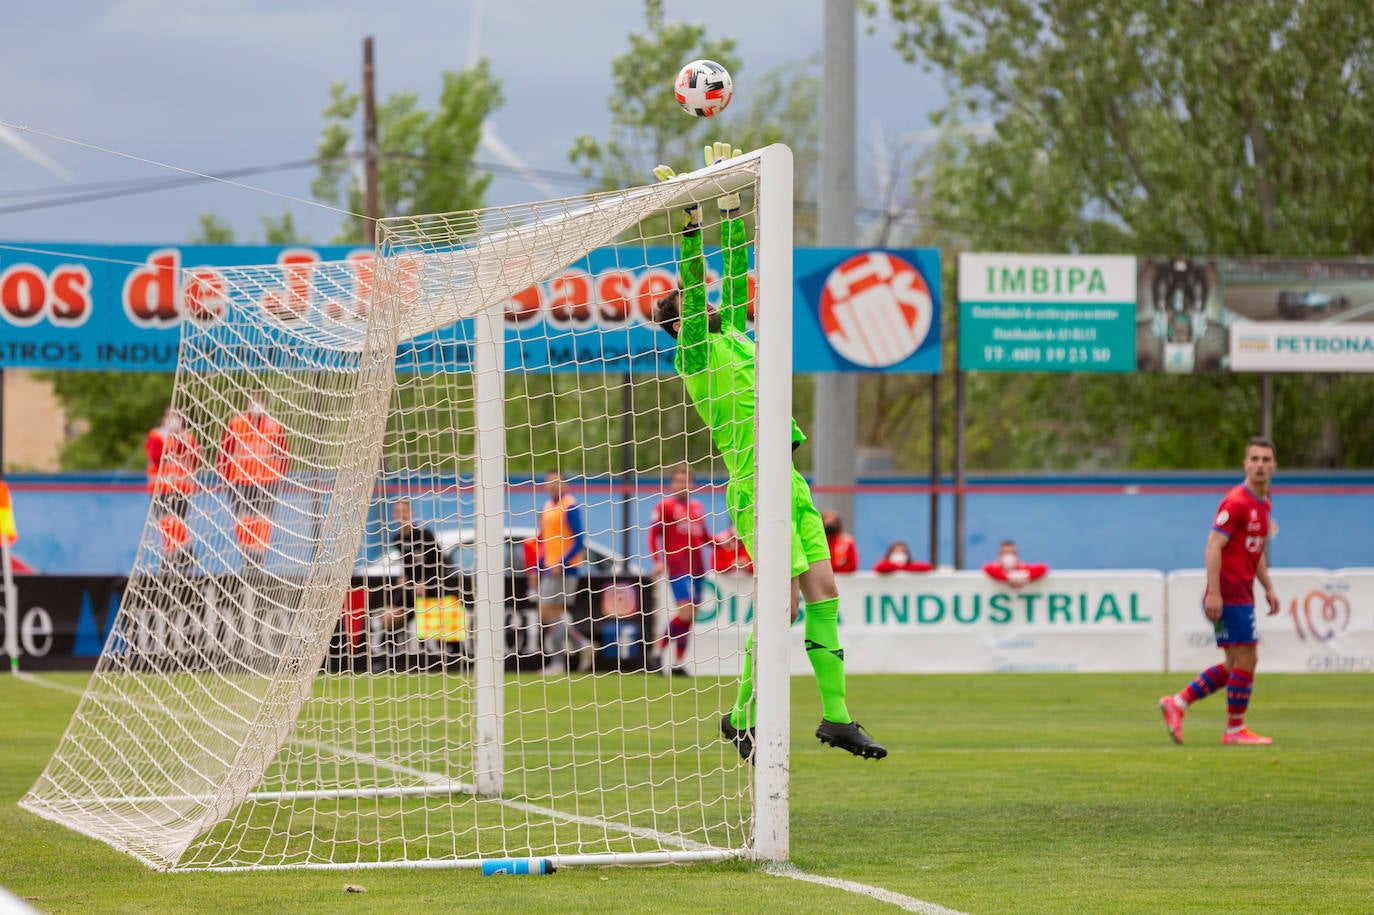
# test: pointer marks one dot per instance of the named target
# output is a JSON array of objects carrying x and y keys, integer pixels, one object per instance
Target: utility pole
[
  {"x": 835, "y": 429},
  {"x": 370, "y": 205}
]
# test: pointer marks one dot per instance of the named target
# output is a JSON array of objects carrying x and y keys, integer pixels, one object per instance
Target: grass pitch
[{"x": 1002, "y": 793}]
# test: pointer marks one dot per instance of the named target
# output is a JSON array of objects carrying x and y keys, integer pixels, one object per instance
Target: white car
[
  {"x": 1295, "y": 304},
  {"x": 459, "y": 549}
]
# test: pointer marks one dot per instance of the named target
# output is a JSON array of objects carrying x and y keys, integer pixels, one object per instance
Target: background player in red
[
  {"x": 678, "y": 540},
  {"x": 1235, "y": 558},
  {"x": 728, "y": 555}
]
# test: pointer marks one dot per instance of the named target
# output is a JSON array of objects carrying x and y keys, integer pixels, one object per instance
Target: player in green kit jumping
[{"x": 715, "y": 358}]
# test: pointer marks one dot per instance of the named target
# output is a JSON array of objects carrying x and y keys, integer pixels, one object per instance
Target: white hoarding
[
  {"x": 956, "y": 622},
  {"x": 1326, "y": 623},
  {"x": 1276, "y": 346}
]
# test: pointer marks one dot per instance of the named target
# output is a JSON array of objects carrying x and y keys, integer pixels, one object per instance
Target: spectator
[
  {"x": 173, "y": 459},
  {"x": 253, "y": 457},
  {"x": 1010, "y": 569},
  {"x": 844, "y": 552},
  {"x": 728, "y": 554},
  {"x": 421, "y": 576},
  {"x": 898, "y": 559},
  {"x": 422, "y": 560},
  {"x": 562, "y": 555},
  {"x": 417, "y": 591}
]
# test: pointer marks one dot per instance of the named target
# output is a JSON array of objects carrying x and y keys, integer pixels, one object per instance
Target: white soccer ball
[{"x": 703, "y": 88}]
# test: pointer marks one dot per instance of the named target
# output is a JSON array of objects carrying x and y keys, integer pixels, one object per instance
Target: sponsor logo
[
  {"x": 1054, "y": 608},
  {"x": 875, "y": 309},
  {"x": 1320, "y": 616},
  {"x": 1070, "y": 281},
  {"x": 1332, "y": 345}
]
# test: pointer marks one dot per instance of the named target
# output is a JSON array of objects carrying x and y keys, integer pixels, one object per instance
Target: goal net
[{"x": 344, "y": 642}]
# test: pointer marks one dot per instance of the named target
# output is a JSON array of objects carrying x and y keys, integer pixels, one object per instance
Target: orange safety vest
[
  {"x": 253, "y": 533},
  {"x": 253, "y": 450},
  {"x": 175, "y": 534},
  {"x": 555, "y": 536},
  {"x": 175, "y": 468},
  {"x": 7, "y": 531}
]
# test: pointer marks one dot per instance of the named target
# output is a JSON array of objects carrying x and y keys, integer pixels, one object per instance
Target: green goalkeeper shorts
[{"x": 808, "y": 532}]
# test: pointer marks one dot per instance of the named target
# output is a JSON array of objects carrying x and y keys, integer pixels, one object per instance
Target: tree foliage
[
  {"x": 426, "y": 159},
  {"x": 1153, "y": 128},
  {"x": 110, "y": 412}
]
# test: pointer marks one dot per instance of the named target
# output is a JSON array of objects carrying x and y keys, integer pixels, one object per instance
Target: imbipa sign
[
  {"x": 1046, "y": 278},
  {"x": 1047, "y": 313}
]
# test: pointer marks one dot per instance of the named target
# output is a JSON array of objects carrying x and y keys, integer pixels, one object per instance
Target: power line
[
  {"x": 148, "y": 187},
  {"x": 67, "y": 195}
]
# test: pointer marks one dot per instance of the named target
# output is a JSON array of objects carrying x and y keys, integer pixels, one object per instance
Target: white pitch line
[
  {"x": 906, "y": 903},
  {"x": 663, "y": 838}
]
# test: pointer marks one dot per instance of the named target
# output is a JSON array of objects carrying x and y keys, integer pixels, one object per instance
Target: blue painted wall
[{"x": 91, "y": 524}]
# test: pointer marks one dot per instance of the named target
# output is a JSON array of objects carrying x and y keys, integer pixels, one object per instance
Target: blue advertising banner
[
  {"x": 866, "y": 311},
  {"x": 99, "y": 307}
]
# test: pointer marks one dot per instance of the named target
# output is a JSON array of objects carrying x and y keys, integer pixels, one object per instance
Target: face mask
[
  {"x": 1009, "y": 561},
  {"x": 900, "y": 558},
  {"x": 255, "y": 406},
  {"x": 174, "y": 423}
]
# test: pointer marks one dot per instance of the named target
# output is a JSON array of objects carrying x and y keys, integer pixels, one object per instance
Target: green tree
[
  {"x": 1231, "y": 129},
  {"x": 211, "y": 230},
  {"x": 426, "y": 159},
  {"x": 280, "y": 230},
  {"x": 111, "y": 413}
]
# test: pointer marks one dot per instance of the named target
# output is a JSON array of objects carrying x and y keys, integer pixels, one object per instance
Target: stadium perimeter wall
[
  {"x": 90, "y": 524},
  {"x": 940, "y": 622}
]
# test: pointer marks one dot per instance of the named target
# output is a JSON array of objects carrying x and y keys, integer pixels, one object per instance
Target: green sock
[
  {"x": 827, "y": 657},
  {"x": 742, "y": 715}
]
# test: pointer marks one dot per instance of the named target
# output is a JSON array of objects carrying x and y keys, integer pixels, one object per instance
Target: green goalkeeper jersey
[{"x": 717, "y": 369}]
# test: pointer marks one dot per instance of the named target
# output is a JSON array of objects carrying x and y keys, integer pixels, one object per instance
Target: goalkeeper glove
[
  {"x": 666, "y": 173},
  {"x": 718, "y": 152}
]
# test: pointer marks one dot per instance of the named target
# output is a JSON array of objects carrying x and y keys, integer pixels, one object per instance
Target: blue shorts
[
  {"x": 1236, "y": 626},
  {"x": 686, "y": 588}
]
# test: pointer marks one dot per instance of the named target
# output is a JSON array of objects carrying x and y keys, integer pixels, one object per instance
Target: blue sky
[{"x": 212, "y": 85}]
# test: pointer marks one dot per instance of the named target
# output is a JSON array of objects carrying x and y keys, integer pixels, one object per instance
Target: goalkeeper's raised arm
[{"x": 715, "y": 359}]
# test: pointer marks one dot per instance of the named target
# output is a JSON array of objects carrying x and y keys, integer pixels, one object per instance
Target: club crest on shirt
[{"x": 1223, "y": 518}]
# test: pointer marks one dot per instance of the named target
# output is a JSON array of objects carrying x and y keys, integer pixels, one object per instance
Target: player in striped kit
[
  {"x": 1235, "y": 559},
  {"x": 678, "y": 541}
]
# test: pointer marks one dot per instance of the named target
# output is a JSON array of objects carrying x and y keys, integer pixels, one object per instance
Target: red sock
[
  {"x": 1237, "y": 698},
  {"x": 677, "y": 636},
  {"x": 1207, "y": 682}
]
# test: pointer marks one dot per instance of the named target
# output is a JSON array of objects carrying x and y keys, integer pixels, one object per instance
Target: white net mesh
[{"x": 331, "y": 651}]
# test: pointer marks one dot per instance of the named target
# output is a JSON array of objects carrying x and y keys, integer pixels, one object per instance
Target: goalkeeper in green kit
[{"x": 715, "y": 358}]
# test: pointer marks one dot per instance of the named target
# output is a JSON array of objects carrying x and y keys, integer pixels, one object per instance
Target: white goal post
[{"x": 332, "y": 651}]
